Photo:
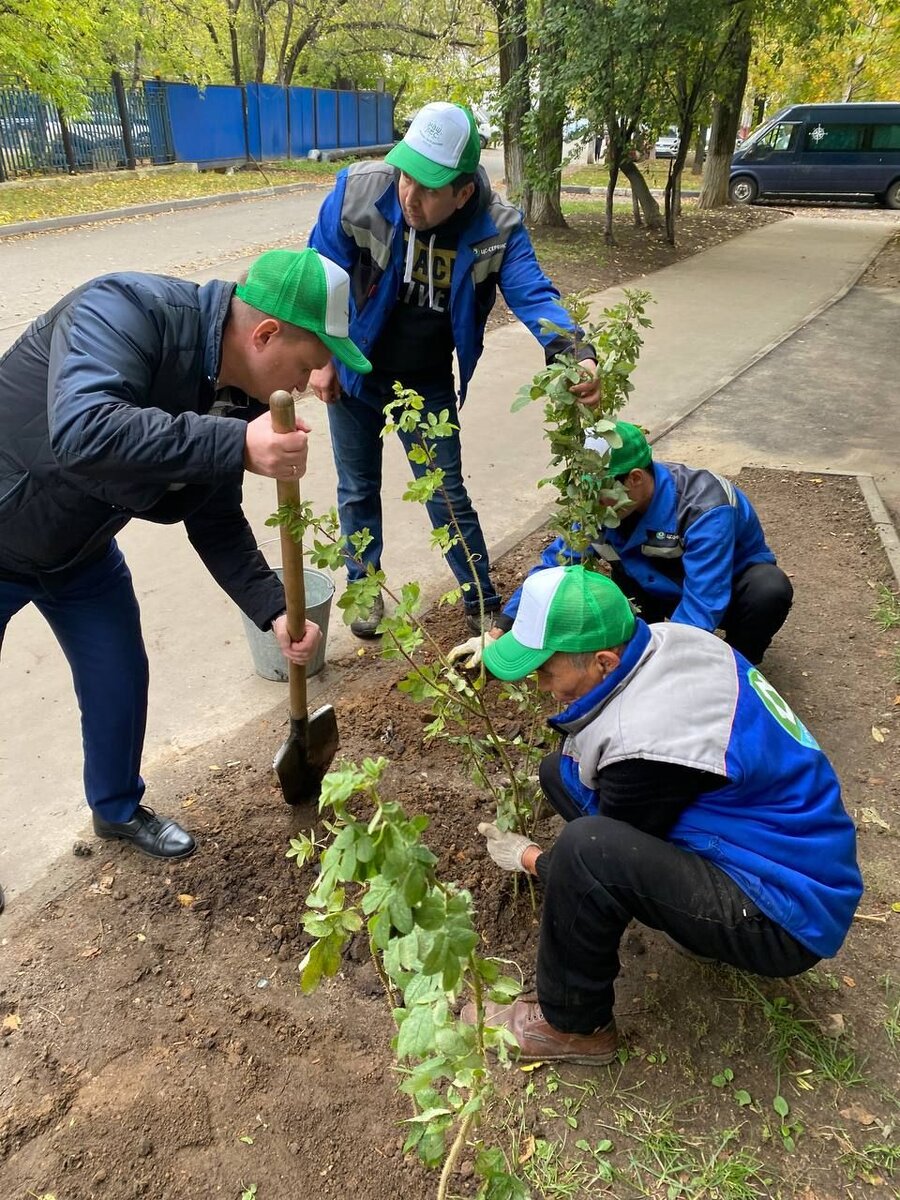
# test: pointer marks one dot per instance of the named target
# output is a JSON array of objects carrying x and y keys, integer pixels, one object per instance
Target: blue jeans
[
  {"x": 95, "y": 618},
  {"x": 356, "y": 426}
]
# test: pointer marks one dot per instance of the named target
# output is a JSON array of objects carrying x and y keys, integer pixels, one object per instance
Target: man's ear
[
  {"x": 464, "y": 195},
  {"x": 263, "y": 332},
  {"x": 607, "y": 660}
]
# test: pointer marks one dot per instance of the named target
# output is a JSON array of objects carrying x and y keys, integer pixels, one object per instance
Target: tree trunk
[
  {"x": 542, "y": 201},
  {"x": 727, "y": 113},
  {"x": 513, "y": 57},
  {"x": 641, "y": 191},
  {"x": 233, "y": 6},
  {"x": 699, "y": 150},
  {"x": 608, "y": 217}
]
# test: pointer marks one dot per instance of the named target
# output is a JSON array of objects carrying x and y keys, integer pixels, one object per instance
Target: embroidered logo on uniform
[
  {"x": 779, "y": 708},
  {"x": 484, "y": 251}
]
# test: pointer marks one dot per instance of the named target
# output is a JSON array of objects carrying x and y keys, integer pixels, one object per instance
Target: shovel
[{"x": 304, "y": 759}]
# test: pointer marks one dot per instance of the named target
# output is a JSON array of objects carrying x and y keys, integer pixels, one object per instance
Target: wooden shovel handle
[{"x": 281, "y": 406}]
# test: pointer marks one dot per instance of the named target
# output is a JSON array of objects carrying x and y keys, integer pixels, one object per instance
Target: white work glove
[
  {"x": 474, "y": 647},
  {"x": 506, "y": 849}
]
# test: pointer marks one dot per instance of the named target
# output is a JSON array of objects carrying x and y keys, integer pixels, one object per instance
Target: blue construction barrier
[
  {"x": 264, "y": 121},
  {"x": 219, "y": 125},
  {"x": 207, "y": 125}
]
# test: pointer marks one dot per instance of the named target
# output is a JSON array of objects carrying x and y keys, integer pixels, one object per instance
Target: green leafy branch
[
  {"x": 377, "y": 874},
  {"x": 589, "y": 499}
]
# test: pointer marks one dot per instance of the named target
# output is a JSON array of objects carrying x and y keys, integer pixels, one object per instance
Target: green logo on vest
[{"x": 780, "y": 709}]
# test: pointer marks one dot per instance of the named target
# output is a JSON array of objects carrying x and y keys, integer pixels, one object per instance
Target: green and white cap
[
  {"x": 564, "y": 610},
  {"x": 634, "y": 451},
  {"x": 441, "y": 143},
  {"x": 305, "y": 289}
]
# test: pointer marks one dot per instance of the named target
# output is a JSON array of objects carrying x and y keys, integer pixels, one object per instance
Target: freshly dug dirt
[{"x": 154, "y": 1041}]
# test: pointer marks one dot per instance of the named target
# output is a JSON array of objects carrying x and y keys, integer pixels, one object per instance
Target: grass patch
[
  {"x": 796, "y": 1041},
  {"x": 76, "y": 194},
  {"x": 887, "y": 607},
  {"x": 656, "y": 173},
  {"x": 666, "y": 1163}
]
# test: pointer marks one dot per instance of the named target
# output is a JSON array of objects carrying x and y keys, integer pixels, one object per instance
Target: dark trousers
[
  {"x": 600, "y": 875},
  {"x": 356, "y": 438},
  {"x": 761, "y": 598},
  {"x": 95, "y": 618}
]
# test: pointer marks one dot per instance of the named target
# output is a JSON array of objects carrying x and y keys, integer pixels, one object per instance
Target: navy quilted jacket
[{"x": 108, "y": 411}]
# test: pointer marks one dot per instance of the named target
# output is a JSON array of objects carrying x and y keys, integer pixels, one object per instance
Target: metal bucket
[{"x": 268, "y": 661}]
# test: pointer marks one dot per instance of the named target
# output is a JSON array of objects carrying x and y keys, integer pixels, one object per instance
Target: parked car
[
  {"x": 667, "y": 144},
  {"x": 821, "y": 150}
]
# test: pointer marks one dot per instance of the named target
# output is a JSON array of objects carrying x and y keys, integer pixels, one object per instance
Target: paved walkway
[{"x": 715, "y": 314}]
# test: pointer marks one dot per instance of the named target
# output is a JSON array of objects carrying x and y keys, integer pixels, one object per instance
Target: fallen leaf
[
  {"x": 849, "y": 980},
  {"x": 185, "y": 899},
  {"x": 833, "y": 1025},
  {"x": 214, "y": 767},
  {"x": 895, "y": 907},
  {"x": 13, "y": 1021},
  {"x": 857, "y": 1113},
  {"x": 877, "y": 735},
  {"x": 189, "y": 801},
  {"x": 869, "y": 816},
  {"x": 91, "y": 952},
  {"x": 248, "y": 1141},
  {"x": 897, "y": 699},
  {"x": 526, "y": 1067},
  {"x": 527, "y": 1150}
]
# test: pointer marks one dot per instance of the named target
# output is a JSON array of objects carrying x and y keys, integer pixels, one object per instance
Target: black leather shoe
[{"x": 160, "y": 837}]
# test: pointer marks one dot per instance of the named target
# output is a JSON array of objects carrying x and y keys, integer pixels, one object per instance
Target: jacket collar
[
  {"x": 663, "y": 502},
  {"x": 583, "y": 710},
  {"x": 214, "y": 298}
]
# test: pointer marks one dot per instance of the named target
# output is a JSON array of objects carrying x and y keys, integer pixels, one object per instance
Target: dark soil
[{"x": 155, "y": 1042}]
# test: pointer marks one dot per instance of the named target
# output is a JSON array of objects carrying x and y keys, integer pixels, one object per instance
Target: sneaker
[
  {"x": 367, "y": 627},
  {"x": 540, "y": 1042},
  {"x": 477, "y": 624},
  {"x": 683, "y": 950}
]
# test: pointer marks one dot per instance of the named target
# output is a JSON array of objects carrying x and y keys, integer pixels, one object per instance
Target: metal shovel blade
[{"x": 303, "y": 761}]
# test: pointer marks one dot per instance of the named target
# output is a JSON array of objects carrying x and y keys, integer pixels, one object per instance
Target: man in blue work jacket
[
  {"x": 696, "y": 802},
  {"x": 426, "y": 244},
  {"x": 689, "y": 549}
]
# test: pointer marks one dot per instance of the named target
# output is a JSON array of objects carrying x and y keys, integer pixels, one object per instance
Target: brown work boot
[{"x": 539, "y": 1041}]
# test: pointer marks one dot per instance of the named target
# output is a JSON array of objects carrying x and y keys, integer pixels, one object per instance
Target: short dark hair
[
  {"x": 648, "y": 469},
  {"x": 461, "y": 181}
]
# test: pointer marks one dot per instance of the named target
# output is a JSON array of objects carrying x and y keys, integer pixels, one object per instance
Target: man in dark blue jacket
[
  {"x": 697, "y": 803},
  {"x": 427, "y": 244},
  {"x": 689, "y": 549},
  {"x": 134, "y": 397}
]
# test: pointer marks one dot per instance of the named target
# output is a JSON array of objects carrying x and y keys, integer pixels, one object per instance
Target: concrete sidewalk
[{"x": 715, "y": 314}]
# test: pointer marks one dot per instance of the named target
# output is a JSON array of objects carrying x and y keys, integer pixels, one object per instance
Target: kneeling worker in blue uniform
[
  {"x": 690, "y": 549},
  {"x": 697, "y": 803}
]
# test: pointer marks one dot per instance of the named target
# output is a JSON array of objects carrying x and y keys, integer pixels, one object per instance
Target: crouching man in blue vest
[
  {"x": 690, "y": 549},
  {"x": 697, "y": 803}
]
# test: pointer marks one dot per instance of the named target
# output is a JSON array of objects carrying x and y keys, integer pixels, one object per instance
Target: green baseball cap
[
  {"x": 634, "y": 451},
  {"x": 304, "y": 288},
  {"x": 441, "y": 143},
  {"x": 562, "y": 610}
]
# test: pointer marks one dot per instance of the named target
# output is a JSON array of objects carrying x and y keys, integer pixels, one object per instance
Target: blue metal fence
[
  {"x": 179, "y": 122},
  {"x": 35, "y": 138}
]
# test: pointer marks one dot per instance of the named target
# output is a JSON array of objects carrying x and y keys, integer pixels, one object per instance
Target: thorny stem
[{"x": 455, "y": 1150}]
